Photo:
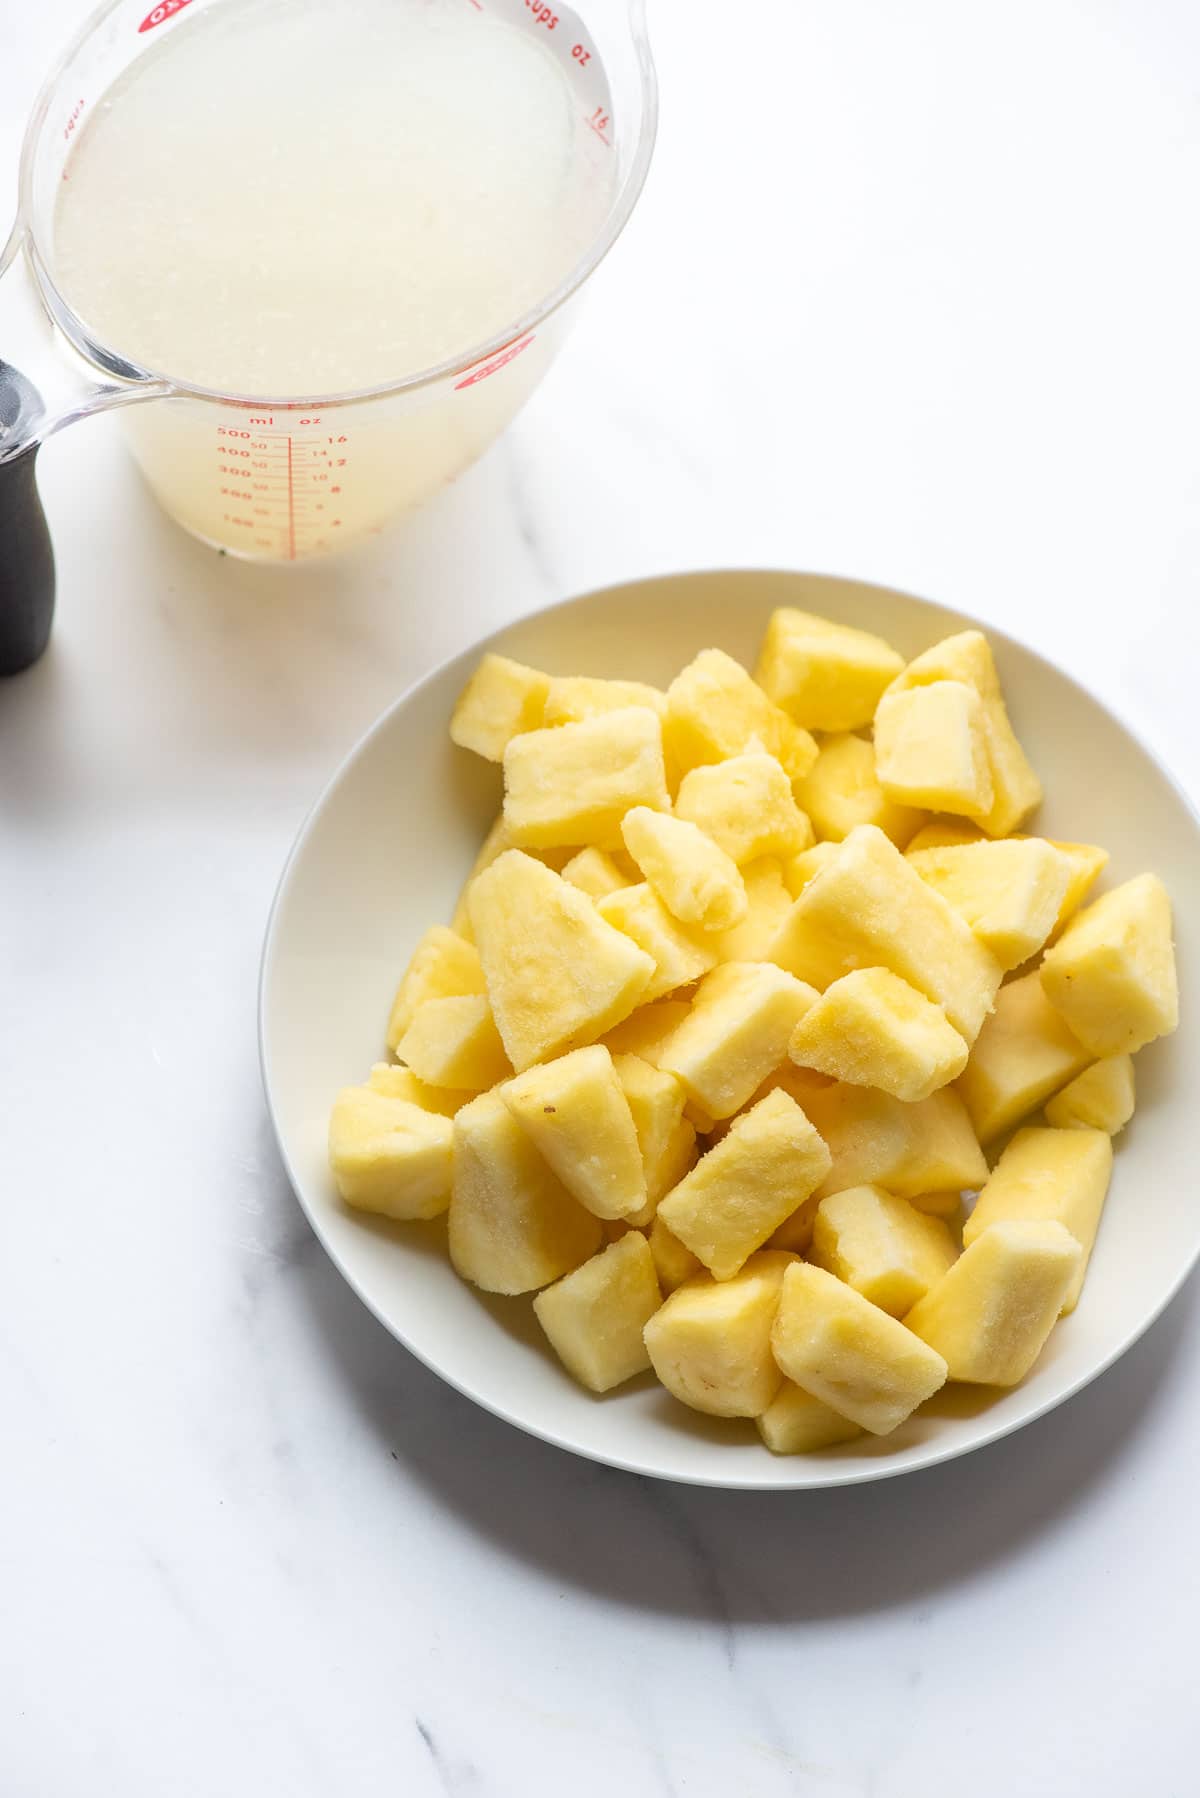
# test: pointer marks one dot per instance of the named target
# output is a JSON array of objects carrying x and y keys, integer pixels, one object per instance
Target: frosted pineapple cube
[
  {"x": 595, "y": 1316},
  {"x": 402, "y": 1083},
  {"x": 1087, "y": 862},
  {"x": 944, "y": 833},
  {"x": 1112, "y": 972},
  {"x": 768, "y": 902},
  {"x": 443, "y": 966},
  {"x": 1101, "y": 1098},
  {"x": 679, "y": 955},
  {"x": 573, "y": 784},
  {"x": 665, "y": 1138},
  {"x": 931, "y": 749},
  {"x": 842, "y": 790},
  {"x": 596, "y": 873},
  {"x": 497, "y": 840},
  {"x": 714, "y": 711},
  {"x": 513, "y": 1226},
  {"x": 826, "y": 676},
  {"x": 990, "y": 1315},
  {"x": 674, "y": 1263},
  {"x": 795, "y": 1423},
  {"x": 1024, "y": 1053},
  {"x": 388, "y": 1155},
  {"x": 737, "y": 1194},
  {"x": 946, "y": 1205},
  {"x": 736, "y": 1034},
  {"x": 800, "y": 869},
  {"x": 455, "y": 1043},
  {"x": 645, "y": 1030},
  {"x": 1062, "y": 1175},
  {"x": 868, "y": 908},
  {"x": 557, "y": 974},
  {"x": 710, "y": 1342},
  {"x": 501, "y": 700},
  {"x": 796, "y": 1232},
  {"x": 881, "y": 1245},
  {"x": 746, "y": 806},
  {"x": 574, "y": 697},
  {"x": 697, "y": 882},
  {"x": 874, "y": 1139},
  {"x": 848, "y": 1353},
  {"x": 575, "y": 1113},
  {"x": 873, "y": 1029},
  {"x": 1010, "y": 892}
]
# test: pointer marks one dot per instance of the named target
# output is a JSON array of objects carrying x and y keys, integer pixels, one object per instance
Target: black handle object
[{"x": 26, "y": 554}]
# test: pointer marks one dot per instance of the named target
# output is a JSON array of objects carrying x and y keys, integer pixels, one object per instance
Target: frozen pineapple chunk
[
  {"x": 388, "y": 1155},
  {"x": 1101, "y": 1098},
  {"x": 402, "y": 1083},
  {"x": 1009, "y": 892},
  {"x": 513, "y": 1225},
  {"x": 968, "y": 658},
  {"x": 1058, "y": 1174},
  {"x": 596, "y": 873},
  {"x": 557, "y": 974},
  {"x": 881, "y": 1245},
  {"x": 714, "y": 711},
  {"x": 574, "y": 697},
  {"x": 746, "y": 806},
  {"x": 710, "y": 1343},
  {"x": 800, "y": 869},
  {"x": 1087, "y": 862},
  {"x": 795, "y": 1423},
  {"x": 595, "y": 1316},
  {"x": 875, "y": 1139},
  {"x": 666, "y": 1139},
  {"x": 1112, "y": 971},
  {"x": 573, "y": 784},
  {"x": 826, "y": 676},
  {"x": 494, "y": 844},
  {"x": 576, "y": 1115},
  {"x": 931, "y": 750},
  {"x": 945, "y": 833},
  {"x": 848, "y": 1353},
  {"x": 695, "y": 879},
  {"x": 990, "y": 1315},
  {"x": 768, "y": 902},
  {"x": 736, "y": 1033},
  {"x": 680, "y": 955},
  {"x": 946, "y": 1205},
  {"x": 501, "y": 700},
  {"x": 868, "y": 908},
  {"x": 674, "y": 1263},
  {"x": 842, "y": 790},
  {"x": 873, "y": 1029},
  {"x": 1024, "y": 1053},
  {"x": 443, "y": 966},
  {"x": 647, "y": 1029},
  {"x": 454, "y": 1042},
  {"x": 770, "y": 1160},
  {"x": 796, "y": 1232}
]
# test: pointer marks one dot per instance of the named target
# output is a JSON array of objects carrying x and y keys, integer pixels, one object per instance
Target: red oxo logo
[
  {"x": 166, "y": 9},
  {"x": 489, "y": 368}
]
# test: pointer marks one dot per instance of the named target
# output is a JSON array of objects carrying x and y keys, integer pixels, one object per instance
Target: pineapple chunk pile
[{"x": 750, "y": 982}]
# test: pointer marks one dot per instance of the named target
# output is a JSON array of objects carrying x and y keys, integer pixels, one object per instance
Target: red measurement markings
[
  {"x": 291, "y": 507},
  {"x": 166, "y": 9},
  {"x": 72, "y": 121},
  {"x": 599, "y": 123},
  {"x": 497, "y": 362}
]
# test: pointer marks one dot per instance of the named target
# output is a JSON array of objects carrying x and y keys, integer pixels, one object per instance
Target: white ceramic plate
[{"x": 383, "y": 855}]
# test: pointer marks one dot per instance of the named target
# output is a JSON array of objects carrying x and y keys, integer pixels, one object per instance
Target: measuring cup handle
[{"x": 26, "y": 565}]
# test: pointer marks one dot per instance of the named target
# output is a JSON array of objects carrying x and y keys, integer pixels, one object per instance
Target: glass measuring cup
[{"x": 286, "y": 479}]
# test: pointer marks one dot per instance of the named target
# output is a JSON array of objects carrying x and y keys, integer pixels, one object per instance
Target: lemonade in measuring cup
[{"x": 334, "y": 244}]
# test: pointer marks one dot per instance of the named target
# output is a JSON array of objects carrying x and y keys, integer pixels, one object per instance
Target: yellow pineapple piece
[
  {"x": 1087, "y": 863},
  {"x": 557, "y": 974},
  {"x": 946, "y": 1205},
  {"x": 881, "y": 1245},
  {"x": 576, "y": 1115},
  {"x": 595, "y": 1316},
  {"x": 1111, "y": 973},
  {"x": 697, "y": 882},
  {"x": 746, "y": 806},
  {"x": 1010, "y": 892},
  {"x": 875, "y": 1139},
  {"x": 645, "y": 1030},
  {"x": 1062, "y": 1175},
  {"x": 873, "y": 1029},
  {"x": 795, "y": 1423},
  {"x": 1101, "y": 1098},
  {"x": 836, "y": 1345},
  {"x": 674, "y": 1263},
  {"x": 768, "y": 902},
  {"x": 796, "y": 1232},
  {"x": 826, "y": 676},
  {"x": 402, "y": 1083},
  {"x": 596, "y": 873},
  {"x": 680, "y": 955},
  {"x": 574, "y": 697},
  {"x": 498, "y": 839},
  {"x": 388, "y": 1155},
  {"x": 443, "y": 966},
  {"x": 842, "y": 791},
  {"x": 665, "y": 1138},
  {"x": 455, "y": 1043},
  {"x": 931, "y": 749},
  {"x": 736, "y": 1195},
  {"x": 710, "y": 1342},
  {"x": 944, "y": 833},
  {"x": 800, "y": 869},
  {"x": 967, "y": 657},
  {"x": 1023, "y": 1054},
  {"x": 513, "y": 1226},
  {"x": 714, "y": 711},
  {"x": 868, "y": 908},
  {"x": 501, "y": 700},
  {"x": 573, "y": 784},
  {"x": 736, "y": 1033},
  {"x": 990, "y": 1315}
]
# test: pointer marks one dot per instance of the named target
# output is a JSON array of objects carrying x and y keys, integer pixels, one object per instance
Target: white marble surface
[{"x": 912, "y": 295}]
